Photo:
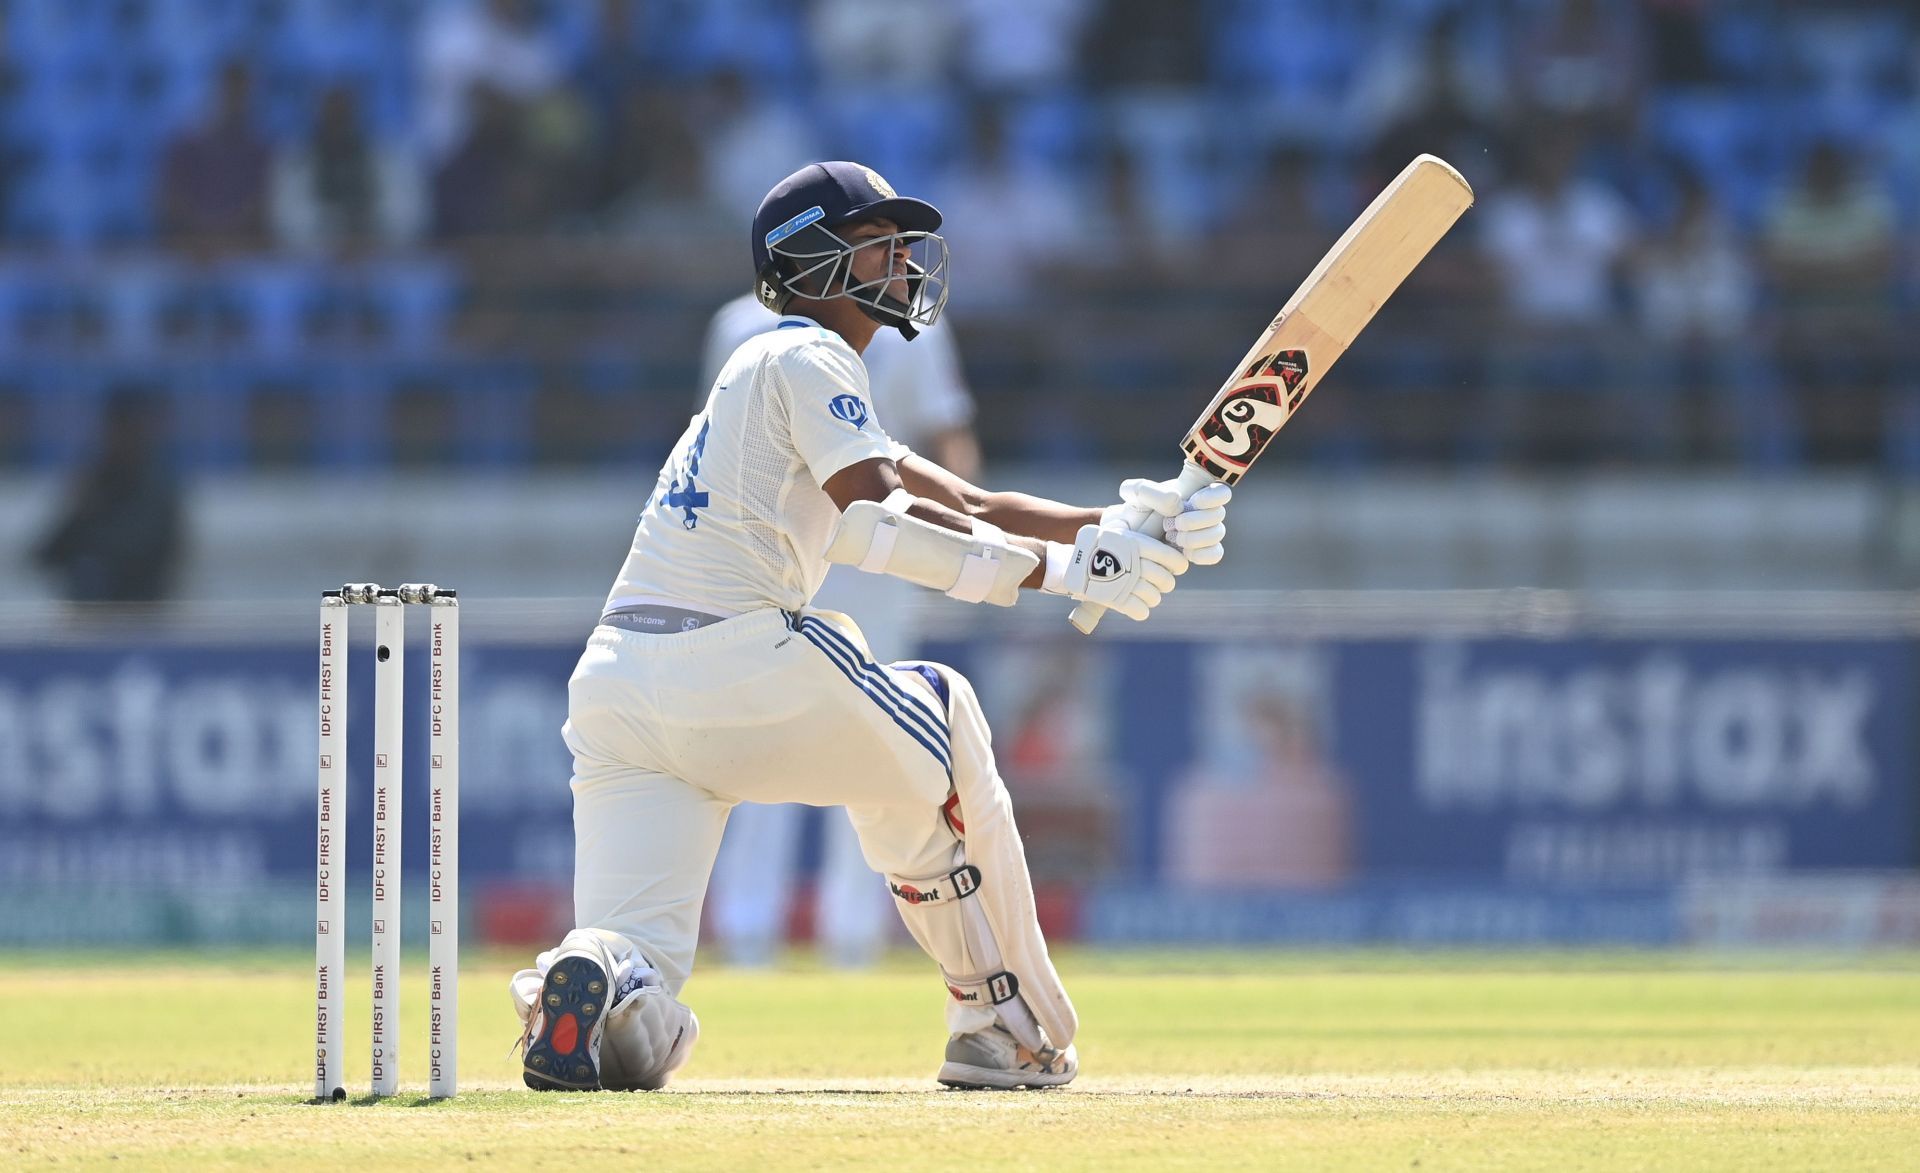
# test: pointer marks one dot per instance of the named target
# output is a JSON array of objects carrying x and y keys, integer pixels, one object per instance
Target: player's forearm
[
  {"x": 1016, "y": 513},
  {"x": 956, "y": 451},
  {"x": 1034, "y": 517}
]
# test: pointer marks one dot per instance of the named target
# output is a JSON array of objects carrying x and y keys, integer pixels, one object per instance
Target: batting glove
[
  {"x": 1114, "y": 567},
  {"x": 1197, "y": 526}
]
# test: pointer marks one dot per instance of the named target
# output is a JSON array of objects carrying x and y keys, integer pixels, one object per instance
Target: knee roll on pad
[
  {"x": 977, "y": 919},
  {"x": 880, "y": 537}
]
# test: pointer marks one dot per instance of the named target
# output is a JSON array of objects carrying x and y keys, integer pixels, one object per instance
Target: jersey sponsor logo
[
  {"x": 848, "y": 408},
  {"x": 812, "y": 215}
]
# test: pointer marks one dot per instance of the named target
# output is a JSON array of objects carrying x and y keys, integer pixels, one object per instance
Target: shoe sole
[
  {"x": 572, "y": 999},
  {"x": 971, "y": 1078}
]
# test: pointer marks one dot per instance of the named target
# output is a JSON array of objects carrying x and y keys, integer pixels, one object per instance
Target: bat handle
[{"x": 1192, "y": 479}]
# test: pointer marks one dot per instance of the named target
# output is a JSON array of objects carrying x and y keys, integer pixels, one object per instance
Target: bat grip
[{"x": 1192, "y": 479}]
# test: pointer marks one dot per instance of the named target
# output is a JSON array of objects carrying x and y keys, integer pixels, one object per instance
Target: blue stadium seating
[{"x": 102, "y": 85}]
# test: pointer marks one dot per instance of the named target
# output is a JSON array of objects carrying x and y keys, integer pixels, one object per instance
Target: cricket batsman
[
  {"x": 918, "y": 388},
  {"x": 711, "y": 681}
]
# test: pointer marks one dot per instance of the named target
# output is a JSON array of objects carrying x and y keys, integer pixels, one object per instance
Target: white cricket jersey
[
  {"x": 738, "y": 520},
  {"x": 916, "y": 385},
  {"x": 918, "y": 390}
]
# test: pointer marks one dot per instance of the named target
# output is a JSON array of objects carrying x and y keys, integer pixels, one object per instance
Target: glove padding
[
  {"x": 1115, "y": 567},
  {"x": 1197, "y": 526}
]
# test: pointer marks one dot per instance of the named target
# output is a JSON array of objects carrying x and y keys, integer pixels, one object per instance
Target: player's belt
[{"x": 657, "y": 619}]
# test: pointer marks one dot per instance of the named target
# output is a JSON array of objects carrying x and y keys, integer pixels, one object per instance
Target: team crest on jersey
[
  {"x": 848, "y": 408},
  {"x": 879, "y": 184}
]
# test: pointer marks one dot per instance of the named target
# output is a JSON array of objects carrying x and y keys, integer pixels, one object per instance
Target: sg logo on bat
[{"x": 1233, "y": 436}]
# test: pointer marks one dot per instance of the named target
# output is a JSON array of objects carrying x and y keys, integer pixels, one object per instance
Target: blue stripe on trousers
[
  {"x": 882, "y": 676},
  {"x": 875, "y": 695}
]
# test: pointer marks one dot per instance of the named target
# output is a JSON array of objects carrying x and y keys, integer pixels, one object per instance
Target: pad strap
[
  {"x": 994, "y": 989},
  {"x": 884, "y": 537},
  {"x": 881, "y": 552},
  {"x": 980, "y": 572},
  {"x": 958, "y": 884}
]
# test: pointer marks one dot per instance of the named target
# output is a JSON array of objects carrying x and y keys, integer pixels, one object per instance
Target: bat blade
[
  {"x": 1325, "y": 315},
  {"x": 1315, "y": 327}
]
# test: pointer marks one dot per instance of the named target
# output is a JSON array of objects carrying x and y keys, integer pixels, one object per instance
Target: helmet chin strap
[{"x": 890, "y": 311}]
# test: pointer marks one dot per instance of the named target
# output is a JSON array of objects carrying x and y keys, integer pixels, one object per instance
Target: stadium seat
[
  {"x": 40, "y": 29},
  {"x": 1291, "y": 62},
  {"x": 907, "y": 136},
  {"x": 272, "y": 297},
  {"x": 747, "y": 34},
  {"x": 1059, "y": 127},
  {"x": 63, "y": 402},
  {"x": 328, "y": 410},
  {"x": 477, "y": 412},
  {"x": 1738, "y": 143},
  {"x": 132, "y": 296},
  {"x": 60, "y": 204},
  {"x": 1849, "y": 48}
]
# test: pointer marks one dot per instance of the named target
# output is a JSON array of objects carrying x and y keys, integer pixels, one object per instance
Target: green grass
[{"x": 1214, "y": 1060}]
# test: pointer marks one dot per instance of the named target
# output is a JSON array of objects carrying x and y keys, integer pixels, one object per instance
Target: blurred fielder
[
  {"x": 711, "y": 680},
  {"x": 916, "y": 387}
]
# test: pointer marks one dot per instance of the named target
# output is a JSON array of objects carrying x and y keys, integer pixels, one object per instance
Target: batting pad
[{"x": 977, "y": 919}]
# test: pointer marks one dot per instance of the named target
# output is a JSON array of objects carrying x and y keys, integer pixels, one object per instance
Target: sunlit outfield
[{"x": 1215, "y": 1060}]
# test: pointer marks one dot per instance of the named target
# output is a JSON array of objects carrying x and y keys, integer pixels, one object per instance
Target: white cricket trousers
[
  {"x": 761, "y": 849},
  {"x": 668, "y": 732}
]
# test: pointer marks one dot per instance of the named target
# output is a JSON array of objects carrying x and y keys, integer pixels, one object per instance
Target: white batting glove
[
  {"x": 1196, "y": 527},
  {"x": 1114, "y": 567}
]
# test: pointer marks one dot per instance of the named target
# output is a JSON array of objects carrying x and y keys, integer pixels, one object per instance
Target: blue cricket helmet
[
  {"x": 831, "y": 194},
  {"x": 795, "y": 244}
]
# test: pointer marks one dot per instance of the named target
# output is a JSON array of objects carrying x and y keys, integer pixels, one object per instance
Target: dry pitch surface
[{"x": 1215, "y": 1061}]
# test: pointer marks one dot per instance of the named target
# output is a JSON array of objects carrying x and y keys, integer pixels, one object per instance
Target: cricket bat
[{"x": 1313, "y": 330}]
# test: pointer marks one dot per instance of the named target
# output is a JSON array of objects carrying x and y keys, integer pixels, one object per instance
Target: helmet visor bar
[{"x": 828, "y": 269}]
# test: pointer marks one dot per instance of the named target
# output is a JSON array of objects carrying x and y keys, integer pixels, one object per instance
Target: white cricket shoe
[
  {"x": 993, "y": 1058},
  {"x": 563, "y": 1034}
]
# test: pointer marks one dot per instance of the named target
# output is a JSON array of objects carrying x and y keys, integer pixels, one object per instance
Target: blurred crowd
[{"x": 364, "y": 232}]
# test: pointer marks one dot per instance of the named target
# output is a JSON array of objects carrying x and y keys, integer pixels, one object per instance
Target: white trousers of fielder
[{"x": 668, "y": 732}]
